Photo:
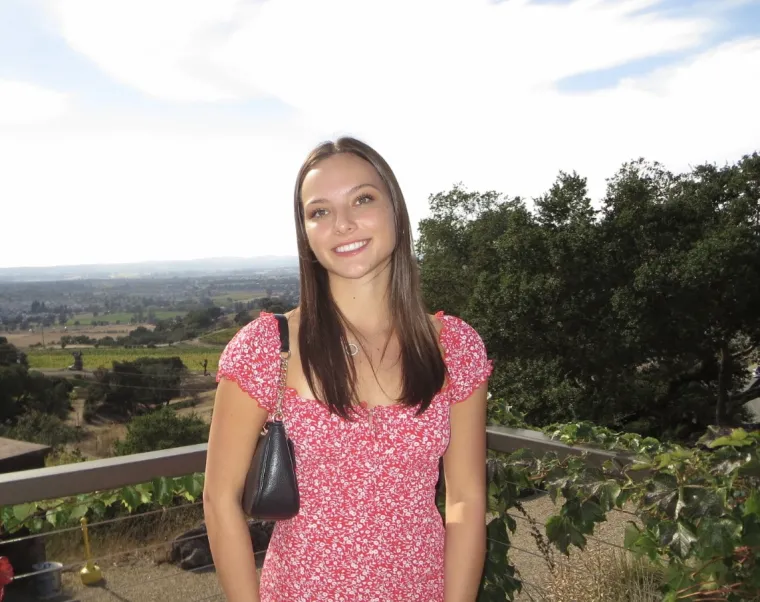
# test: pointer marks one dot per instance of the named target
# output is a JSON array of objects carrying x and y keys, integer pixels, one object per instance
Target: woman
[{"x": 398, "y": 389}]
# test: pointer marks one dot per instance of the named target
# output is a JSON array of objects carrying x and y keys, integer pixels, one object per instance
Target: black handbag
[{"x": 271, "y": 488}]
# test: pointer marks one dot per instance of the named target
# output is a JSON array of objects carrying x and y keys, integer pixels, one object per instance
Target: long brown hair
[{"x": 322, "y": 341}]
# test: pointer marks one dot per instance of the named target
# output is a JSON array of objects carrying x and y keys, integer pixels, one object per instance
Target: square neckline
[{"x": 439, "y": 315}]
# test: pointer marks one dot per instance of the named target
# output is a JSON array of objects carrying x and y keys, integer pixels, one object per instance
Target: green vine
[
  {"x": 699, "y": 508},
  {"x": 54, "y": 514}
]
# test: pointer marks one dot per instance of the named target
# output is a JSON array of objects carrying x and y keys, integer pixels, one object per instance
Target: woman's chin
[{"x": 355, "y": 270}]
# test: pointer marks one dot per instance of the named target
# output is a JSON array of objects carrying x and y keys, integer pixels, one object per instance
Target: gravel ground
[{"x": 143, "y": 579}]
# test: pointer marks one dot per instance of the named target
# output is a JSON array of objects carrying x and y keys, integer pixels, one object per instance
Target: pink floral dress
[{"x": 368, "y": 529}]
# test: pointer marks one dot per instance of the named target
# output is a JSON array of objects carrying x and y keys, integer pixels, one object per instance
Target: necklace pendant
[{"x": 353, "y": 349}]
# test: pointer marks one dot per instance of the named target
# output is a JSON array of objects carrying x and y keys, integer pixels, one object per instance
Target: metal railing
[
  {"x": 111, "y": 473},
  {"x": 63, "y": 481}
]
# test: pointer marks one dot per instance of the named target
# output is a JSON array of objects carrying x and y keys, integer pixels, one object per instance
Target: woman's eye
[
  {"x": 364, "y": 199},
  {"x": 316, "y": 213}
]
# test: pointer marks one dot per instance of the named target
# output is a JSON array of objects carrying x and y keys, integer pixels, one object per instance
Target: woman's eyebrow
[{"x": 350, "y": 192}]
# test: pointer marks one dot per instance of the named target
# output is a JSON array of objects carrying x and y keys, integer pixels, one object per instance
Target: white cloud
[
  {"x": 23, "y": 103},
  {"x": 160, "y": 47},
  {"x": 448, "y": 90}
]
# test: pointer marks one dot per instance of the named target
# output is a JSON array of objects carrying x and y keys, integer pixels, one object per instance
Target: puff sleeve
[
  {"x": 252, "y": 360},
  {"x": 465, "y": 356}
]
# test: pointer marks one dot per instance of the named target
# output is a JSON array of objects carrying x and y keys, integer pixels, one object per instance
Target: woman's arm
[
  {"x": 464, "y": 465},
  {"x": 235, "y": 426}
]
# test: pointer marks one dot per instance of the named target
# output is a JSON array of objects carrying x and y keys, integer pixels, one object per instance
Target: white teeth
[{"x": 352, "y": 247}]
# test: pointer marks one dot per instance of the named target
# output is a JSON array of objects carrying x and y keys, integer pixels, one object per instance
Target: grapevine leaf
[
  {"x": 738, "y": 438},
  {"x": 23, "y": 511},
  {"x": 130, "y": 498},
  {"x": 162, "y": 491},
  {"x": 752, "y": 505},
  {"x": 109, "y": 499},
  {"x": 563, "y": 533},
  {"x": 683, "y": 539},
  {"x": 662, "y": 493},
  {"x": 52, "y": 517},
  {"x": 194, "y": 486},
  {"x": 639, "y": 464},
  {"x": 78, "y": 511},
  {"x": 646, "y": 545},
  {"x": 718, "y": 536},
  {"x": 702, "y": 502},
  {"x": 666, "y": 529},
  {"x": 145, "y": 491},
  {"x": 98, "y": 508}
]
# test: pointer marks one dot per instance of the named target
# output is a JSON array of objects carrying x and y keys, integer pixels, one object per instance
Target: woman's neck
[{"x": 365, "y": 302}]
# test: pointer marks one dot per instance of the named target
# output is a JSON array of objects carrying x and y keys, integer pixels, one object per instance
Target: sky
[{"x": 136, "y": 130}]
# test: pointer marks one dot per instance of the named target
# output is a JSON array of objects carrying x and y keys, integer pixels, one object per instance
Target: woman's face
[{"x": 348, "y": 216}]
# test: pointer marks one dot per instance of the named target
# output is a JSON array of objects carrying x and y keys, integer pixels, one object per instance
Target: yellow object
[{"x": 90, "y": 573}]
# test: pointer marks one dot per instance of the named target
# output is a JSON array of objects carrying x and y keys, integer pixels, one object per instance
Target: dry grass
[
  {"x": 548, "y": 575},
  {"x": 606, "y": 576},
  {"x": 138, "y": 536}
]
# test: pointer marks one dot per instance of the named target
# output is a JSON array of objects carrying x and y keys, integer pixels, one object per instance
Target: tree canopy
[{"x": 642, "y": 312}]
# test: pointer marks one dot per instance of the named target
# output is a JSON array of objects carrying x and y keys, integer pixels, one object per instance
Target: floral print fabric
[{"x": 368, "y": 529}]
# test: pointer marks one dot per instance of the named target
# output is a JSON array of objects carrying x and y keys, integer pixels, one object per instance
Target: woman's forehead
[{"x": 339, "y": 175}]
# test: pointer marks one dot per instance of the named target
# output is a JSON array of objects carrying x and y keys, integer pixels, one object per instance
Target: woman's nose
[{"x": 343, "y": 222}]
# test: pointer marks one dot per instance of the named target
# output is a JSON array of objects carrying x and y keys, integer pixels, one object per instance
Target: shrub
[
  {"x": 44, "y": 429},
  {"x": 161, "y": 429}
]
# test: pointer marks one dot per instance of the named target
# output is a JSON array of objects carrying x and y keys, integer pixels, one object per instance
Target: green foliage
[
  {"x": 162, "y": 429},
  {"x": 202, "y": 319},
  {"x": 48, "y": 515},
  {"x": 37, "y": 427},
  {"x": 640, "y": 316},
  {"x": 699, "y": 508},
  {"x": 138, "y": 385},
  {"x": 32, "y": 406}
]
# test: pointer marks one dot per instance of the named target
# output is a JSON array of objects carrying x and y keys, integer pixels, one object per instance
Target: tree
[
  {"x": 139, "y": 385},
  {"x": 638, "y": 315},
  {"x": 162, "y": 429},
  {"x": 242, "y": 318},
  {"x": 692, "y": 293},
  {"x": 26, "y": 395}
]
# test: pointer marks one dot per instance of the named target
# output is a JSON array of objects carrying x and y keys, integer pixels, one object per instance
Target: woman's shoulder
[
  {"x": 256, "y": 341},
  {"x": 454, "y": 330},
  {"x": 262, "y": 326},
  {"x": 251, "y": 359},
  {"x": 465, "y": 355}
]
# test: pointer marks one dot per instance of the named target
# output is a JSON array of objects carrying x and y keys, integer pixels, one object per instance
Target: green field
[
  {"x": 53, "y": 359},
  {"x": 220, "y": 337},
  {"x": 224, "y": 298},
  {"x": 121, "y": 317}
]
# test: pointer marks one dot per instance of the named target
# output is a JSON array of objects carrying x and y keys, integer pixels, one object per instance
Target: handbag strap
[{"x": 282, "y": 323}]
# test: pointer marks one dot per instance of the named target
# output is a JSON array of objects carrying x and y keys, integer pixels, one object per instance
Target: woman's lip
[{"x": 352, "y": 251}]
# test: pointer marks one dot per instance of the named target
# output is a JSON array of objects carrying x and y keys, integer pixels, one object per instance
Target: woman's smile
[{"x": 352, "y": 248}]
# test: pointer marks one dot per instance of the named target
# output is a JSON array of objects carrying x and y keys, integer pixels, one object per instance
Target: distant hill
[{"x": 148, "y": 268}]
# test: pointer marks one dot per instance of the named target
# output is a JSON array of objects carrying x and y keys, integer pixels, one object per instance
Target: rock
[{"x": 191, "y": 549}]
